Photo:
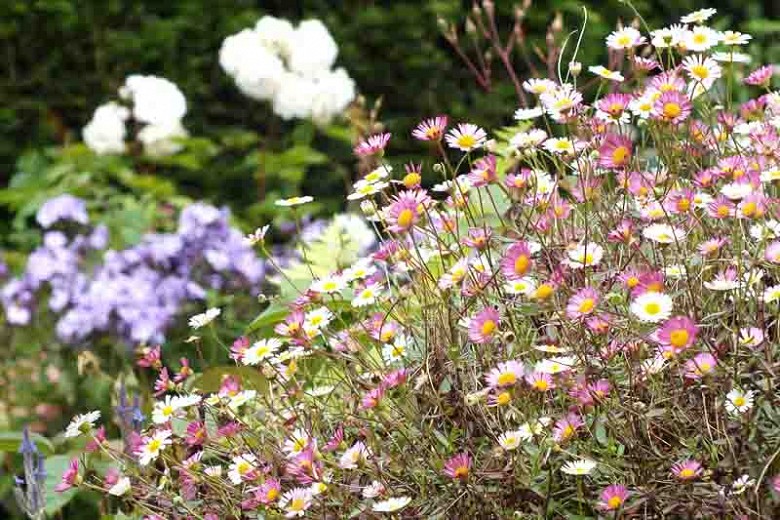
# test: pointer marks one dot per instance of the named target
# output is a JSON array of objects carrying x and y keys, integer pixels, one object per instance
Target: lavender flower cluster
[{"x": 134, "y": 294}]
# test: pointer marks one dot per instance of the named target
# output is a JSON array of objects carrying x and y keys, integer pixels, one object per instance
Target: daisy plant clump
[{"x": 572, "y": 317}]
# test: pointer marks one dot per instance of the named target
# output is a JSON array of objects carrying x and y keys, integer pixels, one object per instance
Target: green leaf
[
  {"x": 275, "y": 313},
  {"x": 10, "y": 442}
]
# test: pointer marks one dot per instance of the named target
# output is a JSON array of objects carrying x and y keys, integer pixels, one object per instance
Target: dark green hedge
[{"x": 60, "y": 58}]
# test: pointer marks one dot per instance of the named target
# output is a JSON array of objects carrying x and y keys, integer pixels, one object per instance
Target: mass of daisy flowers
[{"x": 572, "y": 317}]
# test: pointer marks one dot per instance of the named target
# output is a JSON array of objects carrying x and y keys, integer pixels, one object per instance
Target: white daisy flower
[
  {"x": 663, "y": 233},
  {"x": 260, "y": 351},
  {"x": 329, "y": 284},
  {"x": 701, "y": 38},
  {"x": 739, "y": 401},
  {"x": 152, "y": 446},
  {"x": 736, "y": 38},
  {"x": 585, "y": 255},
  {"x": 700, "y": 16},
  {"x": 257, "y": 237},
  {"x": 510, "y": 440},
  {"x": 605, "y": 73},
  {"x": 731, "y": 57},
  {"x": 524, "y": 114},
  {"x": 556, "y": 365},
  {"x": 296, "y": 501},
  {"x": 772, "y": 294},
  {"x": 652, "y": 307},
  {"x": 702, "y": 69},
  {"x": 579, "y": 467},
  {"x": 294, "y": 201},
  {"x": 523, "y": 286},
  {"x": 367, "y": 296},
  {"x": 539, "y": 86},
  {"x": 201, "y": 320},
  {"x": 242, "y": 468},
  {"x": 625, "y": 38},
  {"x": 318, "y": 318},
  {"x": 391, "y": 504},
  {"x": 82, "y": 424}
]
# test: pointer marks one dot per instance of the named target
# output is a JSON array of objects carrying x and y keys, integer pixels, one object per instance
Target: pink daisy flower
[
  {"x": 566, "y": 427},
  {"x": 458, "y": 466},
  {"x": 701, "y": 365},
  {"x": 721, "y": 207},
  {"x": 615, "y": 152},
  {"x": 70, "y": 477},
  {"x": 688, "y": 469},
  {"x": 677, "y": 333},
  {"x": 612, "y": 497},
  {"x": 483, "y": 327},
  {"x": 772, "y": 253},
  {"x": 583, "y": 303},
  {"x": 752, "y": 206},
  {"x": 483, "y": 172},
  {"x": 516, "y": 262},
  {"x": 405, "y": 210},
  {"x": 372, "y": 145},
  {"x": 761, "y": 76},
  {"x": 540, "y": 381},
  {"x": 268, "y": 492},
  {"x": 431, "y": 129},
  {"x": 672, "y": 107},
  {"x": 505, "y": 374},
  {"x": 712, "y": 246}
]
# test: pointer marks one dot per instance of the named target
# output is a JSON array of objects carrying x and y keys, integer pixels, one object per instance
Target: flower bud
[{"x": 575, "y": 67}]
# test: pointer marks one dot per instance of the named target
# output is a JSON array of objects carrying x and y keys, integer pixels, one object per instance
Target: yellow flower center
[
  {"x": 543, "y": 291},
  {"x": 679, "y": 338},
  {"x": 521, "y": 264},
  {"x": 154, "y": 445},
  {"x": 587, "y": 305},
  {"x": 488, "y": 327},
  {"x": 739, "y": 401},
  {"x": 652, "y": 308},
  {"x": 672, "y": 110},
  {"x": 700, "y": 71},
  {"x": 749, "y": 209},
  {"x": 461, "y": 472},
  {"x": 541, "y": 385},
  {"x": 620, "y": 155},
  {"x": 687, "y": 473},
  {"x": 466, "y": 141},
  {"x": 699, "y": 38},
  {"x": 614, "y": 502},
  {"x": 405, "y": 218},
  {"x": 272, "y": 494},
  {"x": 297, "y": 504},
  {"x": 411, "y": 180},
  {"x": 503, "y": 398},
  {"x": 506, "y": 379}
]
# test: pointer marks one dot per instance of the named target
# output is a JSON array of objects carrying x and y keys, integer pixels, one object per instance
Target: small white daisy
[
  {"x": 579, "y": 467},
  {"x": 201, "y": 320},
  {"x": 652, "y": 307},
  {"x": 260, "y": 351},
  {"x": 391, "y": 504},
  {"x": 605, "y": 73},
  {"x": 294, "y": 201},
  {"x": 82, "y": 424},
  {"x": 739, "y": 401}
]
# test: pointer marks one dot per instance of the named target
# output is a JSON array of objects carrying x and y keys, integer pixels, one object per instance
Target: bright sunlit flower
[
  {"x": 201, "y": 320},
  {"x": 688, "y": 469},
  {"x": 82, "y": 424},
  {"x": 652, "y": 307},
  {"x": 391, "y": 504},
  {"x": 612, "y": 497},
  {"x": 152, "y": 446},
  {"x": 625, "y": 38},
  {"x": 260, "y": 351},
  {"x": 605, "y": 73},
  {"x": 700, "y": 39},
  {"x": 739, "y": 401},
  {"x": 579, "y": 468},
  {"x": 296, "y": 502},
  {"x": 700, "y": 16},
  {"x": 294, "y": 201},
  {"x": 466, "y": 137},
  {"x": 702, "y": 69}
]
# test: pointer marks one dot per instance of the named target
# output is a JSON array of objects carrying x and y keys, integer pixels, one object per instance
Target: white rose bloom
[
  {"x": 293, "y": 98},
  {"x": 105, "y": 133},
  {"x": 260, "y": 77},
  {"x": 276, "y": 34},
  {"x": 161, "y": 139},
  {"x": 334, "y": 91},
  {"x": 156, "y": 100},
  {"x": 313, "y": 50}
]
